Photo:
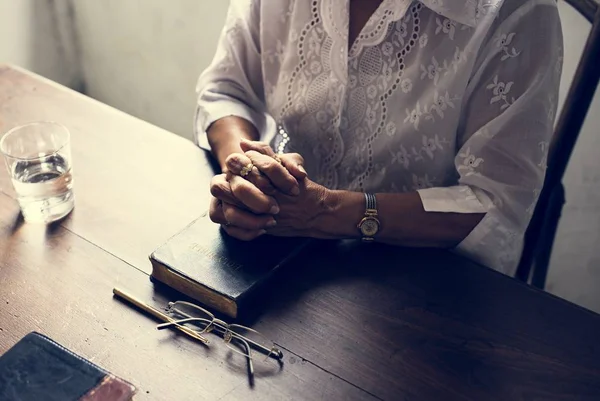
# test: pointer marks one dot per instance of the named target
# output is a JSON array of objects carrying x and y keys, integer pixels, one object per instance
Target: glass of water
[{"x": 38, "y": 157}]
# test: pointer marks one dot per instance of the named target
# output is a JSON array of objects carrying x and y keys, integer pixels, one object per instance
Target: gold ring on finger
[
  {"x": 277, "y": 159},
  {"x": 246, "y": 169}
]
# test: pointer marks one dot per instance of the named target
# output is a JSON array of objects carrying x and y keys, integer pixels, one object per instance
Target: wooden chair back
[{"x": 570, "y": 121}]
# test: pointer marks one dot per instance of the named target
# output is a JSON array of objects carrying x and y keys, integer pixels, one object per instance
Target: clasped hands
[{"x": 264, "y": 193}]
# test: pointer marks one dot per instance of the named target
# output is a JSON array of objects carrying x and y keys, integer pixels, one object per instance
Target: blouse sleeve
[
  {"x": 232, "y": 85},
  {"x": 504, "y": 134}
]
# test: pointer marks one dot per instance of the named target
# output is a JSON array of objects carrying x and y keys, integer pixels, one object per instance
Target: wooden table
[{"x": 354, "y": 322}]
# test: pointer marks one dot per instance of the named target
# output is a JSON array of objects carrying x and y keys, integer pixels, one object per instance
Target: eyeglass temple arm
[
  {"x": 273, "y": 353},
  {"x": 248, "y": 356},
  {"x": 175, "y": 322},
  {"x": 156, "y": 313}
]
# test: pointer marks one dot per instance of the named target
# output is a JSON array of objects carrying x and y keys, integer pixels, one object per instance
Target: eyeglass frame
[{"x": 228, "y": 332}]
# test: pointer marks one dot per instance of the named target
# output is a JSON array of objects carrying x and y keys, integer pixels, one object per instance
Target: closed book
[
  {"x": 217, "y": 270},
  {"x": 38, "y": 368}
]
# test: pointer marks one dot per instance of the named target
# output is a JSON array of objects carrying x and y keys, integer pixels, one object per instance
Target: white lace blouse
[{"x": 455, "y": 99}]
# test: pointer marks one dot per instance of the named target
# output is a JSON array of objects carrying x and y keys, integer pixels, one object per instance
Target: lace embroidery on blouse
[{"x": 455, "y": 99}]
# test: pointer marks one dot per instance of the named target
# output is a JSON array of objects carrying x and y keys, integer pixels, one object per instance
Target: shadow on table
[
  {"x": 398, "y": 311},
  {"x": 18, "y": 221},
  {"x": 411, "y": 272},
  {"x": 235, "y": 363},
  {"x": 51, "y": 228},
  {"x": 361, "y": 268}
]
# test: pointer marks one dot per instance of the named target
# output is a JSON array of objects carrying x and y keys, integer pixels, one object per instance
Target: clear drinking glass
[{"x": 38, "y": 158}]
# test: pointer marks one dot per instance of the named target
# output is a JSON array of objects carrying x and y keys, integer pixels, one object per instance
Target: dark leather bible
[
  {"x": 37, "y": 368},
  {"x": 221, "y": 272}
]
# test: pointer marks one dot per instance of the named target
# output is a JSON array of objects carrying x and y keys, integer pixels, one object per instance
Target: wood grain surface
[
  {"x": 57, "y": 283},
  {"x": 135, "y": 184},
  {"x": 355, "y": 321}
]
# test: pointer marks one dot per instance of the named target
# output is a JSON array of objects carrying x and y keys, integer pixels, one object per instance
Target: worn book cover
[
  {"x": 221, "y": 272},
  {"x": 38, "y": 368}
]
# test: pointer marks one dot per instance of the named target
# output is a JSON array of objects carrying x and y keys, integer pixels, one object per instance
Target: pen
[{"x": 156, "y": 313}]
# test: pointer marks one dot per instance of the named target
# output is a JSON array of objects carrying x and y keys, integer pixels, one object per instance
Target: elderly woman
[{"x": 416, "y": 123}]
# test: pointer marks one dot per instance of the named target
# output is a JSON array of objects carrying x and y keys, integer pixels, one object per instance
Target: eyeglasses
[{"x": 196, "y": 321}]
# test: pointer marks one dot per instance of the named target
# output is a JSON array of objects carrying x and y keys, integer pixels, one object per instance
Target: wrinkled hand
[
  {"x": 244, "y": 206},
  {"x": 240, "y": 207},
  {"x": 299, "y": 214},
  {"x": 300, "y": 200},
  {"x": 293, "y": 162}
]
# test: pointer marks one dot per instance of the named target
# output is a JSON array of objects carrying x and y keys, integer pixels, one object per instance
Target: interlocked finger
[
  {"x": 277, "y": 174},
  {"x": 239, "y": 218},
  {"x": 258, "y": 146},
  {"x": 217, "y": 215},
  {"x": 252, "y": 197},
  {"x": 240, "y": 164},
  {"x": 294, "y": 163},
  {"x": 221, "y": 189},
  {"x": 215, "y": 212}
]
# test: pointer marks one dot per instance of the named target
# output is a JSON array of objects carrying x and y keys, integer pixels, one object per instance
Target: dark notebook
[
  {"x": 221, "y": 272},
  {"x": 37, "y": 368}
]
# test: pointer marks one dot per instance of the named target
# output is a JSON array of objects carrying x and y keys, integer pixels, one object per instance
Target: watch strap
[{"x": 371, "y": 202}]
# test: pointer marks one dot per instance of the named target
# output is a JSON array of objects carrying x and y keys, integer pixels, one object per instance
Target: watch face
[{"x": 369, "y": 227}]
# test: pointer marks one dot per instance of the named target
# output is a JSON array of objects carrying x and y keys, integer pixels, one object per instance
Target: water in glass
[
  {"x": 38, "y": 158},
  {"x": 44, "y": 188}
]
